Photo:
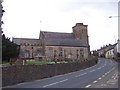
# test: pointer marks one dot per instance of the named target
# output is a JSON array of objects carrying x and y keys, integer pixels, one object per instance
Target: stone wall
[
  {"x": 24, "y": 73},
  {"x": 66, "y": 51}
]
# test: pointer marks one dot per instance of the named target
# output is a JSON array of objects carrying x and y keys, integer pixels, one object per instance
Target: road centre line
[
  {"x": 102, "y": 66},
  {"x": 111, "y": 61},
  {"x": 94, "y": 81},
  {"x": 78, "y": 71},
  {"x": 99, "y": 68},
  {"x": 80, "y": 75},
  {"x": 99, "y": 78},
  {"x": 88, "y": 86},
  {"x": 92, "y": 66},
  {"x": 106, "y": 73},
  {"x": 103, "y": 75},
  {"x": 98, "y": 62},
  {"x": 55, "y": 83},
  {"x": 93, "y": 70},
  {"x": 111, "y": 70}
]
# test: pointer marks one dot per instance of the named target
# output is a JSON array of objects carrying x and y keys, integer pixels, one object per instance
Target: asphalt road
[{"x": 102, "y": 75}]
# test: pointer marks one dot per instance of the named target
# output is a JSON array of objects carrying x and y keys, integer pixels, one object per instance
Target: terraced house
[{"x": 57, "y": 46}]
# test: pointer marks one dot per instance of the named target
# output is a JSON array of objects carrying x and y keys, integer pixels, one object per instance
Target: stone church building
[{"x": 56, "y": 46}]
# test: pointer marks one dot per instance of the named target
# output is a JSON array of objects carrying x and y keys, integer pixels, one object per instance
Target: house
[
  {"x": 118, "y": 46},
  {"x": 111, "y": 51},
  {"x": 108, "y": 51},
  {"x": 57, "y": 45},
  {"x": 102, "y": 50}
]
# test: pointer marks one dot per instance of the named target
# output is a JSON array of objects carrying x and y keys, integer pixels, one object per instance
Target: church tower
[{"x": 80, "y": 32}]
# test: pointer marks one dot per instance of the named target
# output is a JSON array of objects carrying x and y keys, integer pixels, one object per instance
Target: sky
[{"x": 25, "y": 18}]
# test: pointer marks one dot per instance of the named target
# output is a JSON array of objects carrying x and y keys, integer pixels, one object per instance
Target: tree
[{"x": 9, "y": 49}]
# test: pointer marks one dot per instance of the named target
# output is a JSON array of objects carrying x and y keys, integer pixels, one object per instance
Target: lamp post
[
  {"x": 118, "y": 41},
  {"x": 114, "y": 16}
]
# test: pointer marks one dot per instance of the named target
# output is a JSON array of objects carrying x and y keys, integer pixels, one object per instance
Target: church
[{"x": 56, "y": 45}]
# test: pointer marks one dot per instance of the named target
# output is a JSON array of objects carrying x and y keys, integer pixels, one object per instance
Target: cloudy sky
[{"x": 25, "y": 18}]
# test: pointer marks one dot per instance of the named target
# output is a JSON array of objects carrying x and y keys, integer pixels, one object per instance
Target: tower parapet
[{"x": 80, "y": 32}]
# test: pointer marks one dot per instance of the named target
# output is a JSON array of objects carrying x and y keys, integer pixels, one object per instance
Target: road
[{"x": 102, "y": 75}]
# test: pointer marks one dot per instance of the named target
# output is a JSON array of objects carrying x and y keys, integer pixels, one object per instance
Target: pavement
[{"x": 102, "y": 75}]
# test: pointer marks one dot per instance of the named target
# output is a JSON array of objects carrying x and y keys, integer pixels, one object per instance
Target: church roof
[
  {"x": 53, "y": 39},
  {"x": 62, "y": 39},
  {"x": 66, "y": 42},
  {"x": 57, "y": 35},
  {"x": 29, "y": 41}
]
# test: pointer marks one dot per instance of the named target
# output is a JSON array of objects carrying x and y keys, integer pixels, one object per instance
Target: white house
[
  {"x": 111, "y": 51},
  {"x": 110, "y": 54},
  {"x": 118, "y": 46}
]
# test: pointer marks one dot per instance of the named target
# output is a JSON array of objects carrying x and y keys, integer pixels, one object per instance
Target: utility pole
[{"x": 118, "y": 17}]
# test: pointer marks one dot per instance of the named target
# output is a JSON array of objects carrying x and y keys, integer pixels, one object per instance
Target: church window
[
  {"x": 81, "y": 52},
  {"x": 60, "y": 52},
  {"x": 65, "y": 53},
  {"x": 77, "y": 53}
]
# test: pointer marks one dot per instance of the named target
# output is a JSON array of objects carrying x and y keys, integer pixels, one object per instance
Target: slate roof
[
  {"x": 56, "y": 35},
  {"x": 111, "y": 47},
  {"x": 65, "y": 42},
  {"x": 108, "y": 47},
  {"x": 18, "y": 41}
]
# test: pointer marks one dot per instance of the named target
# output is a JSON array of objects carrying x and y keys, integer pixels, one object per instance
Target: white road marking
[
  {"x": 99, "y": 68},
  {"x": 98, "y": 61},
  {"x": 94, "y": 81},
  {"x": 113, "y": 76},
  {"x": 88, "y": 86},
  {"x": 99, "y": 78},
  {"x": 93, "y": 70},
  {"x": 91, "y": 66},
  {"x": 111, "y": 70},
  {"x": 106, "y": 73},
  {"x": 55, "y": 83},
  {"x": 111, "y": 61},
  {"x": 103, "y": 75},
  {"x": 80, "y": 75}
]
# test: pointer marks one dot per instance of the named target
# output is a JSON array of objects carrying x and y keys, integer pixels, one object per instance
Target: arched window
[
  {"x": 77, "y": 53},
  {"x": 26, "y": 54}
]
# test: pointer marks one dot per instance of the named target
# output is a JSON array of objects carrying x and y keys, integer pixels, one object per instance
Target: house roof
[
  {"x": 107, "y": 47},
  {"x": 18, "y": 41},
  {"x": 111, "y": 47}
]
